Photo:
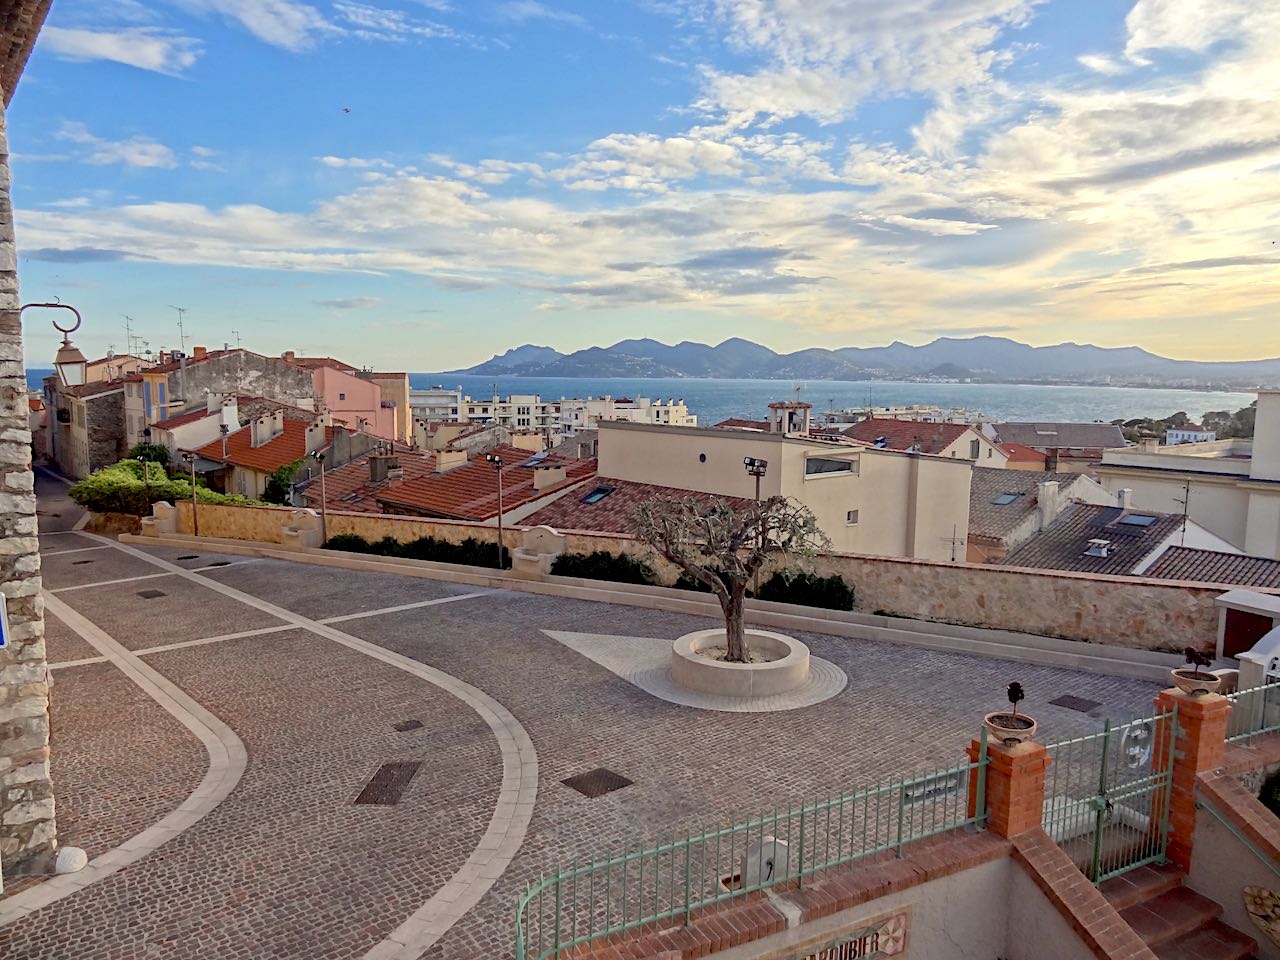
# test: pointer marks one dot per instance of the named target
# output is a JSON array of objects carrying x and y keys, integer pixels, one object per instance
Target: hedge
[
  {"x": 808, "y": 590},
  {"x": 124, "y": 488},
  {"x": 471, "y": 552},
  {"x": 602, "y": 565}
]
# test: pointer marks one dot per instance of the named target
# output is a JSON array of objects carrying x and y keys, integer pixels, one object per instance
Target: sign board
[
  {"x": 4, "y": 623},
  {"x": 883, "y": 936}
]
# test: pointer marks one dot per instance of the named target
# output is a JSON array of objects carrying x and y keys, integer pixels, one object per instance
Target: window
[
  {"x": 1138, "y": 520},
  {"x": 988, "y": 453},
  {"x": 815, "y": 466},
  {"x": 851, "y": 518},
  {"x": 342, "y": 396},
  {"x": 598, "y": 494},
  {"x": 1005, "y": 499},
  {"x": 974, "y": 446}
]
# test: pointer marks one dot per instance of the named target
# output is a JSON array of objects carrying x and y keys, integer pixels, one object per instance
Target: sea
[{"x": 715, "y": 400}]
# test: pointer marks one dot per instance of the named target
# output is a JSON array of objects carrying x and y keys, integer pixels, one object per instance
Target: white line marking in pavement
[
  {"x": 404, "y": 606},
  {"x": 510, "y": 821},
  {"x": 227, "y": 761},
  {"x": 108, "y": 583},
  {"x": 77, "y": 663},
  {"x": 56, "y": 553},
  {"x": 223, "y": 566},
  {"x": 182, "y": 645}
]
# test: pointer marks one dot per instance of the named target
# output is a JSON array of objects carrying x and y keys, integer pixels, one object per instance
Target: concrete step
[
  {"x": 1171, "y": 917},
  {"x": 1143, "y": 883},
  {"x": 1217, "y": 941}
]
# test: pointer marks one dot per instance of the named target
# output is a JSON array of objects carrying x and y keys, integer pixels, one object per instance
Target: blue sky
[{"x": 422, "y": 183}]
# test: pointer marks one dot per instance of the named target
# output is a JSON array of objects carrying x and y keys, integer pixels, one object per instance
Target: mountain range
[{"x": 985, "y": 358}]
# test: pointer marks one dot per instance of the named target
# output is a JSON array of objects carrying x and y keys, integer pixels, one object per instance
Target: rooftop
[
  {"x": 1132, "y": 536},
  {"x": 1214, "y": 566},
  {"x": 348, "y": 487},
  {"x": 1043, "y": 436},
  {"x": 607, "y": 505},
  {"x": 285, "y": 448},
  {"x": 1020, "y": 453},
  {"x": 999, "y": 500},
  {"x": 906, "y": 434},
  {"x": 738, "y": 423},
  {"x": 470, "y": 492}
]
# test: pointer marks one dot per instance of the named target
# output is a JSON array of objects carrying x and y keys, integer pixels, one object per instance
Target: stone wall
[
  {"x": 1127, "y": 612},
  {"x": 104, "y": 426},
  {"x": 26, "y": 791},
  {"x": 244, "y": 373}
]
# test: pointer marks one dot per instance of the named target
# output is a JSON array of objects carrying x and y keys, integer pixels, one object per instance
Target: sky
[{"x": 419, "y": 184}]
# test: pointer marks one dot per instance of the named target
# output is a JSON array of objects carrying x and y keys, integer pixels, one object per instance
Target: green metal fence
[
  {"x": 693, "y": 870},
  {"x": 1254, "y": 712},
  {"x": 1107, "y": 795}
]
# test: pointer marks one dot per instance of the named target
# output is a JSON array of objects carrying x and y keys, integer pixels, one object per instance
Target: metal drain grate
[
  {"x": 1076, "y": 703},
  {"x": 387, "y": 784},
  {"x": 597, "y": 782},
  {"x": 404, "y": 726},
  {"x": 151, "y": 594}
]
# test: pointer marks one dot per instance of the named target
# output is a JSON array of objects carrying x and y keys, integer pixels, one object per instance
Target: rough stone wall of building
[
  {"x": 243, "y": 373},
  {"x": 26, "y": 790},
  {"x": 105, "y": 428}
]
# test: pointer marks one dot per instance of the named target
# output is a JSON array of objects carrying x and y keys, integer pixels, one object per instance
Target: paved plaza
[{"x": 262, "y": 696}]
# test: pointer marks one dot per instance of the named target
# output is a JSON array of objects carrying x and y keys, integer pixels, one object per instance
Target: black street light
[
  {"x": 496, "y": 460},
  {"x": 69, "y": 361},
  {"x": 756, "y": 468},
  {"x": 190, "y": 460},
  {"x": 318, "y": 456}
]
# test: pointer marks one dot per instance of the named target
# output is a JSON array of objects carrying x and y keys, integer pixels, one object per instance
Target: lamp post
[
  {"x": 146, "y": 480},
  {"x": 68, "y": 361},
  {"x": 190, "y": 460},
  {"x": 496, "y": 460},
  {"x": 318, "y": 456},
  {"x": 756, "y": 468}
]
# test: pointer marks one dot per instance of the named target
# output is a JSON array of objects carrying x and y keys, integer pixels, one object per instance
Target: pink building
[{"x": 350, "y": 399}]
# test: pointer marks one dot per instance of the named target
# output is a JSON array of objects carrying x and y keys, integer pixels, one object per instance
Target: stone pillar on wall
[
  {"x": 1199, "y": 744},
  {"x": 1015, "y": 786},
  {"x": 26, "y": 791}
]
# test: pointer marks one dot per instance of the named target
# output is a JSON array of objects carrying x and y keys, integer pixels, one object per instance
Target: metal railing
[
  {"x": 1254, "y": 712},
  {"x": 694, "y": 870},
  {"x": 1107, "y": 795}
]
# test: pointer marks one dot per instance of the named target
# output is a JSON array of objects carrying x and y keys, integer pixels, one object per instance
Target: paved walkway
[{"x": 325, "y": 675}]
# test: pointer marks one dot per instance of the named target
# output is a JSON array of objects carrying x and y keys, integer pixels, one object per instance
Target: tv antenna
[
  {"x": 236, "y": 334},
  {"x": 182, "y": 334},
  {"x": 955, "y": 540}
]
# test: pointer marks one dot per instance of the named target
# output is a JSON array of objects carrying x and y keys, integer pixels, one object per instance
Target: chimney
[
  {"x": 199, "y": 353},
  {"x": 447, "y": 460},
  {"x": 1099, "y": 548},
  {"x": 1048, "y": 502},
  {"x": 229, "y": 415},
  {"x": 287, "y": 356},
  {"x": 212, "y": 402},
  {"x": 315, "y": 433},
  {"x": 1051, "y": 460},
  {"x": 1125, "y": 499},
  {"x": 266, "y": 429},
  {"x": 1149, "y": 445},
  {"x": 548, "y": 476},
  {"x": 381, "y": 466}
]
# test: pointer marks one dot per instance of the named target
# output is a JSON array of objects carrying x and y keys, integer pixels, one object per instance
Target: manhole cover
[
  {"x": 1076, "y": 703},
  {"x": 189, "y": 556},
  {"x": 404, "y": 726},
  {"x": 597, "y": 782},
  {"x": 387, "y": 784},
  {"x": 80, "y": 563},
  {"x": 151, "y": 594}
]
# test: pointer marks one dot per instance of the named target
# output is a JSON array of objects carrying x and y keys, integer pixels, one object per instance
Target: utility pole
[
  {"x": 955, "y": 540},
  {"x": 496, "y": 460},
  {"x": 182, "y": 333}
]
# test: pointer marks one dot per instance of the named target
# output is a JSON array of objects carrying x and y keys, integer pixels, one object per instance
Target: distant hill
[{"x": 989, "y": 359}]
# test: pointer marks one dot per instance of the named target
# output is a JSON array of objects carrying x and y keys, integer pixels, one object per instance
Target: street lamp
[
  {"x": 69, "y": 361},
  {"x": 318, "y": 456},
  {"x": 756, "y": 468},
  {"x": 496, "y": 460},
  {"x": 190, "y": 460}
]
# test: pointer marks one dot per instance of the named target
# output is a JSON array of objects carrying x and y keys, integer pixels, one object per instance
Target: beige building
[
  {"x": 1229, "y": 487},
  {"x": 867, "y": 500}
]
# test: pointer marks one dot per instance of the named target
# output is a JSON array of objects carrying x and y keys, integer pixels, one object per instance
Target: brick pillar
[
  {"x": 1015, "y": 786},
  {"x": 1198, "y": 746}
]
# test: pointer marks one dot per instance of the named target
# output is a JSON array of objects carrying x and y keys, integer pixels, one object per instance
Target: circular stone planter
[
  {"x": 788, "y": 669},
  {"x": 1196, "y": 682},
  {"x": 1008, "y": 729}
]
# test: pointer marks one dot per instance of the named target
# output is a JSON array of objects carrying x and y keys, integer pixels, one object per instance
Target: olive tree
[{"x": 723, "y": 545}]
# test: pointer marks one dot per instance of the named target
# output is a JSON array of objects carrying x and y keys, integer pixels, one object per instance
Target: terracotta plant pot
[
  {"x": 1196, "y": 682},
  {"x": 1008, "y": 729}
]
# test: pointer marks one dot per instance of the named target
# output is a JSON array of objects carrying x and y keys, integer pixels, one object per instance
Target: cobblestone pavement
[{"x": 288, "y": 866}]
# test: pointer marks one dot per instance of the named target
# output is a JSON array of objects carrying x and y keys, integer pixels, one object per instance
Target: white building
[
  {"x": 1191, "y": 433},
  {"x": 586, "y": 414},
  {"x": 916, "y": 412}
]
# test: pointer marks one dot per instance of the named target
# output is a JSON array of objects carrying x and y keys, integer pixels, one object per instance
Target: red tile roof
[
  {"x": 348, "y": 487},
  {"x": 94, "y": 389},
  {"x": 285, "y": 448},
  {"x": 903, "y": 434},
  {"x": 470, "y": 492},
  {"x": 737, "y": 423},
  {"x": 1020, "y": 453},
  {"x": 612, "y": 513},
  {"x": 182, "y": 419},
  {"x": 1214, "y": 566},
  {"x": 312, "y": 362}
]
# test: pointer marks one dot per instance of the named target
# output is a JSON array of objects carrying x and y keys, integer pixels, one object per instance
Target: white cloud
[
  {"x": 520, "y": 11},
  {"x": 354, "y": 163},
  {"x": 648, "y": 162},
  {"x": 136, "y": 151},
  {"x": 1100, "y": 63},
  {"x": 290, "y": 24},
  {"x": 350, "y": 303},
  {"x": 378, "y": 23},
  {"x": 144, "y": 48}
]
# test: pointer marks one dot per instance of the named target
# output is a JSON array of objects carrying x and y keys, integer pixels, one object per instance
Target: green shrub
[
  {"x": 1270, "y": 793},
  {"x": 601, "y": 565},
  {"x": 279, "y": 486},
  {"x": 805, "y": 589},
  {"x": 471, "y": 552},
  {"x": 124, "y": 487},
  {"x": 150, "y": 452}
]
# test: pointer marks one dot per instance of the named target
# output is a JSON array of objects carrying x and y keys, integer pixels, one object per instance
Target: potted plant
[
  {"x": 1011, "y": 727},
  {"x": 1191, "y": 678}
]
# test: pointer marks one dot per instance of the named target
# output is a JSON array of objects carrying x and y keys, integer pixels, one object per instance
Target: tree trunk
[{"x": 736, "y": 642}]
